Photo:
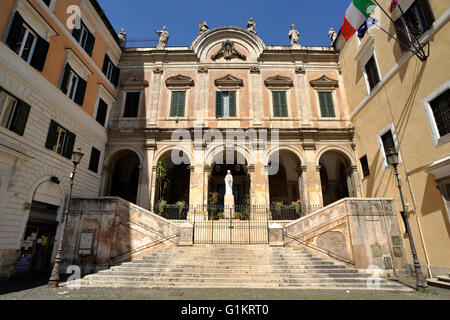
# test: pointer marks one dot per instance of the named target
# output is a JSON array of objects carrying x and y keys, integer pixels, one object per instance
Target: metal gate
[{"x": 239, "y": 225}]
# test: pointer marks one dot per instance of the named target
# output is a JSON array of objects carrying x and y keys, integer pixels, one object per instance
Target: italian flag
[{"x": 356, "y": 14}]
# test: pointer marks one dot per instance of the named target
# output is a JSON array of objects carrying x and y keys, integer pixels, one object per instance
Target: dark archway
[
  {"x": 125, "y": 178},
  {"x": 241, "y": 179},
  {"x": 336, "y": 177},
  {"x": 285, "y": 185},
  {"x": 176, "y": 186}
]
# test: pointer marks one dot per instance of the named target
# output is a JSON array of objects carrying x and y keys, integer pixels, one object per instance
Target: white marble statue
[
  {"x": 294, "y": 35},
  {"x": 229, "y": 183},
  {"x": 122, "y": 38},
  {"x": 251, "y": 26},
  {"x": 332, "y": 35},
  {"x": 163, "y": 38},
  {"x": 202, "y": 27}
]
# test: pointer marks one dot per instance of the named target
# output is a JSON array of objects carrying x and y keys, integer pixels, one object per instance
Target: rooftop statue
[
  {"x": 202, "y": 27},
  {"x": 251, "y": 26},
  {"x": 294, "y": 35},
  {"x": 163, "y": 38},
  {"x": 122, "y": 38},
  {"x": 332, "y": 35}
]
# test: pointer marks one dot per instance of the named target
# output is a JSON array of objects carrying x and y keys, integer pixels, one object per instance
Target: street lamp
[
  {"x": 54, "y": 278},
  {"x": 392, "y": 159}
]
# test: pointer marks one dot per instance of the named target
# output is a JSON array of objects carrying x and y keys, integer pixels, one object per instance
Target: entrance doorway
[
  {"x": 125, "y": 179},
  {"x": 38, "y": 241}
]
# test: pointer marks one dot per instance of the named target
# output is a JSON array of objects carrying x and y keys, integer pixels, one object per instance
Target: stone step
[
  {"x": 235, "y": 271},
  {"x": 271, "y": 266},
  {"x": 236, "y": 261},
  {"x": 438, "y": 283},
  {"x": 444, "y": 278},
  {"x": 253, "y": 285}
]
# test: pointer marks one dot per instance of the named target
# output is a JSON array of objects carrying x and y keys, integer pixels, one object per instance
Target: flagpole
[
  {"x": 421, "y": 57},
  {"x": 415, "y": 38}
]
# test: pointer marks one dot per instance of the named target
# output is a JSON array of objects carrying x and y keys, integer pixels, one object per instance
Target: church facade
[{"x": 284, "y": 102}]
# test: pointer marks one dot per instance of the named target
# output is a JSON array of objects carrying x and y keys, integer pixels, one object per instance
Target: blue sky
[{"x": 312, "y": 18}]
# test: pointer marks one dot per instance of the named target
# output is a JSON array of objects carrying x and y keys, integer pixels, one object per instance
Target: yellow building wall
[{"x": 399, "y": 101}]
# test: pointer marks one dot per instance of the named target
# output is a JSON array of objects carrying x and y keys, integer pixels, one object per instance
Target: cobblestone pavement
[{"x": 36, "y": 289}]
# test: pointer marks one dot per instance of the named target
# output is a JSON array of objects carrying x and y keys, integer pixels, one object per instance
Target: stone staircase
[
  {"x": 440, "y": 281},
  {"x": 213, "y": 266}
]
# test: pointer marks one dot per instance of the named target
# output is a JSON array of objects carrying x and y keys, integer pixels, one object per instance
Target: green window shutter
[
  {"x": 219, "y": 104},
  {"x": 22, "y": 118},
  {"x": 276, "y": 104},
  {"x": 90, "y": 44},
  {"x": 283, "y": 104},
  {"x": 52, "y": 136},
  {"x": 40, "y": 54},
  {"x": 330, "y": 105},
  {"x": 178, "y": 104},
  {"x": 232, "y": 95},
  {"x": 67, "y": 69},
  {"x": 13, "y": 37},
  {"x": 81, "y": 91}
]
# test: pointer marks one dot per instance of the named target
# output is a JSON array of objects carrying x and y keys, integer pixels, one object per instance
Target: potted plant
[
  {"x": 221, "y": 215},
  {"x": 237, "y": 215},
  {"x": 162, "y": 176},
  {"x": 212, "y": 202},
  {"x": 278, "y": 205},
  {"x": 180, "y": 205},
  {"x": 161, "y": 206},
  {"x": 297, "y": 205}
]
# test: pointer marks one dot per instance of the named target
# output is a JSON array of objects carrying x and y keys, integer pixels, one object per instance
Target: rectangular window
[
  {"x": 47, "y": 2},
  {"x": 372, "y": 72},
  {"x": 441, "y": 112},
  {"x": 177, "y": 104},
  {"x": 84, "y": 37},
  {"x": 326, "y": 105},
  {"x": 26, "y": 43},
  {"x": 102, "y": 111},
  {"x": 13, "y": 113},
  {"x": 225, "y": 104},
  {"x": 413, "y": 23},
  {"x": 73, "y": 85},
  {"x": 365, "y": 166},
  {"x": 94, "y": 161},
  {"x": 279, "y": 104},
  {"x": 132, "y": 105},
  {"x": 388, "y": 142},
  {"x": 60, "y": 140},
  {"x": 111, "y": 71}
]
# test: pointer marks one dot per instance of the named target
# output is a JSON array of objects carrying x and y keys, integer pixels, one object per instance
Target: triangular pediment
[
  {"x": 135, "y": 81},
  {"x": 229, "y": 80},
  {"x": 179, "y": 81},
  {"x": 324, "y": 82},
  {"x": 278, "y": 81}
]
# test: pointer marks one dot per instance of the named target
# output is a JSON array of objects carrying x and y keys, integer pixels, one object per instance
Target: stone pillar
[
  {"x": 276, "y": 237},
  {"x": 186, "y": 234},
  {"x": 206, "y": 176},
  {"x": 196, "y": 186},
  {"x": 147, "y": 172},
  {"x": 155, "y": 96},
  {"x": 256, "y": 112},
  {"x": 153, "y": 187},
  {"x": 314, "y": 188},
  {"x": 303, "y": 98},
  {"x": 201, "y": 109}
]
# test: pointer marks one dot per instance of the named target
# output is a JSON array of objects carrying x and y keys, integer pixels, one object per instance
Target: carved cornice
[
  {"x": 229, "y": 81},
  {"x": 158, "y": 70},
  {"x": 255, "y": 70},
  {"x": 202, "y": 69},
  {"x": 300, "y": 70},
  {"x": 179, "y": 81},
  {"x": 324, "y": 82},
  {"x": 278, "y": 81}
]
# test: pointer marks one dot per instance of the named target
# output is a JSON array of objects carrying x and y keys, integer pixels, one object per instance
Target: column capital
[{"x": 318, "y": 168}]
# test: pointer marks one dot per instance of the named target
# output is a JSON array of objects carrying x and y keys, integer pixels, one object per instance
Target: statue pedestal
[{"x": 229, "y": 206}]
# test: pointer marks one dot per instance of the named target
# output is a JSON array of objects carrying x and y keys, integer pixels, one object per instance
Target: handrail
[
  {"x": 314, "y": 247},
  {"x": 147, "y": 246}
]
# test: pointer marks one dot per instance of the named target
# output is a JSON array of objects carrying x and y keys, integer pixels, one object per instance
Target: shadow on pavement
[{"x": 25, "y": 283}]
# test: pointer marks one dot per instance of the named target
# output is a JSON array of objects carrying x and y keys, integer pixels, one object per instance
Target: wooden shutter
[
  {"x": 90, "y": 44},
  {"x": 102, "y": 111},
  {"x": 330, "y": 105},
  {"x": 40, "y": 54},
  {"x": 219, "y": 104},
  {"x": 71, "y": 137},
  {"x": 276, "y": 104},
  {"x": 283, "y": 104},
  {"x": 427, "y": 13},
  {"x": 94, "y": 160},
  {"x": 116, "y": 76},
  {"x": 177, "y": 108},
  {"x": 52, "y": 135},
  {"x": 67, "y": 69},
  {"x": 23, "y": 111},
  {"x": 174, "y": 104},
  {"x": 232, "y": 111},
  {"x": 105, "y": 64},
  {"x": 13, "y": 37},
  {"x": 81, "y": 90},
  {"x": 132, "y": 104},
  {"x": 76, "y": 33}
]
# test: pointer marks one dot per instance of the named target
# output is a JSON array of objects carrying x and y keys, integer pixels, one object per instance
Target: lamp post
[
  {"x": 392, "y": 159},
  {"x": 54, "y": 278}
]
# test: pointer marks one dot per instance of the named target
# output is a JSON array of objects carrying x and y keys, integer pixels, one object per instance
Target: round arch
[
  {"x": 338, "y": 149},
  {"x": 115, "y": 152},
  {"x": 215, "y": 151},
  {"x": 163, "y": 152},
  {"x": 290, "y": 149}
]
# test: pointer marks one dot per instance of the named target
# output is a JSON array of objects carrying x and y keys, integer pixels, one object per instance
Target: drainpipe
[{"x": 419, "y": 226}]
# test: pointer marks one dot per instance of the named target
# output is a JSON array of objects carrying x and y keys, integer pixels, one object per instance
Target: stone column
[
  {"x": 201, "y": 106},
  {"x": 155, "y": 96},
  {"x": 153, "y": 187},
  {"x": 196, "y": 186},
  {"x": 207, "y": 170},
  {"x": 314, "y": 188},
  {"x": 303, "y": 98},
  {"x": 147, "y": 172},
  {"x": 256, "y": 110}
]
